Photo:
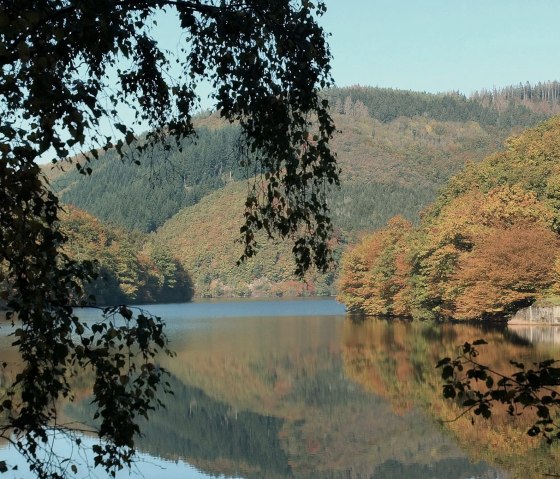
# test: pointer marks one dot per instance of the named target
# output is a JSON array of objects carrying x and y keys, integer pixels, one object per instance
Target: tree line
[
  {"x": 386, "y": 104},
  {"x": 534, "y": 96}
]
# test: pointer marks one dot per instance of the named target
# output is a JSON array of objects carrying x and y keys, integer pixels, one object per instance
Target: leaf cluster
[
  {"x": 478, "y": 388},
  {"x": 265, "y": 60}
]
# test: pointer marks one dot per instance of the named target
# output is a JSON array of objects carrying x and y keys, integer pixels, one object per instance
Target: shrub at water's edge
[{"x": 486, "y": 247}]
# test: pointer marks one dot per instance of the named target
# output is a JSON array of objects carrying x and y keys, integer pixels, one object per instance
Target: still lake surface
[{"x": 295, "y": 389}]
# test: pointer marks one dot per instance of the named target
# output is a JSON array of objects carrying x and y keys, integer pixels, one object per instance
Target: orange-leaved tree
[{"x": 374, "y": 274}]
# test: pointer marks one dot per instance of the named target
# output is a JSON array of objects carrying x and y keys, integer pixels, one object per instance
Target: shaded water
[{"x": 293, "y": 389}]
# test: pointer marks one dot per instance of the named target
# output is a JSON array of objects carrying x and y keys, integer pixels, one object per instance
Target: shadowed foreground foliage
[
  {"x": 70, "y": 66},
  {"x": 530, "y": 390}
]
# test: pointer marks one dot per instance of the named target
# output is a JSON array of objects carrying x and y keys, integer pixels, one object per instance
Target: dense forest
[
  {"x": 202, "y": 239},
  {"x": 128, "y": 271},
  {"x": 418, "y": 144},
  {"x": 487, "y": 246},
  {"x": 396, "y": 149},
  {"x": 143, "y": 196}
]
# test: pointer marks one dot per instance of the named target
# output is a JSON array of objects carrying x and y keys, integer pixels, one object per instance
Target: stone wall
[{"x": 537, "y": 334}]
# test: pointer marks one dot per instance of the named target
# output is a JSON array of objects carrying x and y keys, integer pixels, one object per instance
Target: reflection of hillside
[
  {"x": 335, "y": 441},
  {"x": 253, "y": 363},
  {"x": 444, "y": 469},
  {"x": 269, "y": 398},
  {"x": 284, "y": 378},
  {"x": 396, "y": 361},
  {"x": 212, "y": 436}
]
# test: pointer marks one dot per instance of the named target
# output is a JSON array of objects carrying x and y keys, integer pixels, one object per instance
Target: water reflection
[
  {"x": 547, "y": 334},
  {"x": 316, "y": 396},
  {"x": 396, "y": 361},
  {"x": 272, "y": 397}
]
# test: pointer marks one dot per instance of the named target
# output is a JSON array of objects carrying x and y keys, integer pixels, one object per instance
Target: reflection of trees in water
[
  {"x": 444, "y": 469},
  {"x": 293, "y": 413},
  {"x": 217, "y": 438},
  {"x": 210, "y": 434},
  {"x": 291, "y": 368},
  {"x": 341, "y": 437},
  {"x": 397, "y": 361}
]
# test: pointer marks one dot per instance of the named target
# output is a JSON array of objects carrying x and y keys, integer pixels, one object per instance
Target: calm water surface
[{"x": 294, "y": 389}]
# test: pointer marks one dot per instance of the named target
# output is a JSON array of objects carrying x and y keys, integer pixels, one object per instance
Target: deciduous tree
[
  {"x": 507, "y": 270},
  {"x": 70, "y": 65}
]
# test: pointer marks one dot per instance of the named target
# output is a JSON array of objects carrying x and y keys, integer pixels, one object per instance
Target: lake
[{"x": 294, "y": 389}]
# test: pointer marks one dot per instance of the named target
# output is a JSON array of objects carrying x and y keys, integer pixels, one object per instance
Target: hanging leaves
[{"x": 266, "y": 61}]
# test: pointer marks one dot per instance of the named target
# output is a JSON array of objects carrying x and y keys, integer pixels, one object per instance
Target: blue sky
[
  {"x": 443, "y": 45},
  {"x": 436, "y": 45},
  {"x": 429, "y": 45}
]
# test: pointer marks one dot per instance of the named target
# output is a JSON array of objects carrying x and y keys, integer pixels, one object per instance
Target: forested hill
[
  {"x": 142, "y": 196},
  {"x": 396, "y": 150},
  {"x": 486, "y": 247}
]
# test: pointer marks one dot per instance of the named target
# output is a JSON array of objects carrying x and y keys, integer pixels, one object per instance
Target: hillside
[
  {"x": 127, "y": 271},
  {"x": 202, "y": 238},
  {"x": 486, "y": 247},
  {"x": 396, "y": 150},
  {"x": 390, "y": 142},
  {"x": 143, "y": 196}
]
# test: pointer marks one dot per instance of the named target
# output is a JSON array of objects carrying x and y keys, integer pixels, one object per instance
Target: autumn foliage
[
  {"x": 506, "y": 270},
  {"x": 127, "y": 269},
  {"x": 486, "y": 247},
  {"x": 374, "y": 273}
]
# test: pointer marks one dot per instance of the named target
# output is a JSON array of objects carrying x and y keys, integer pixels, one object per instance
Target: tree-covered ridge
[
  {"x": 409, "y": 152},
  {"x": 387, "y": 140},
  {"x": 406, "y": 160},
  {"x": 502, "y": 108},
  {"x": 486, "y": 247},
  {"x": 127, "y": 271},
  {"x": 143, "y": 196}
]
